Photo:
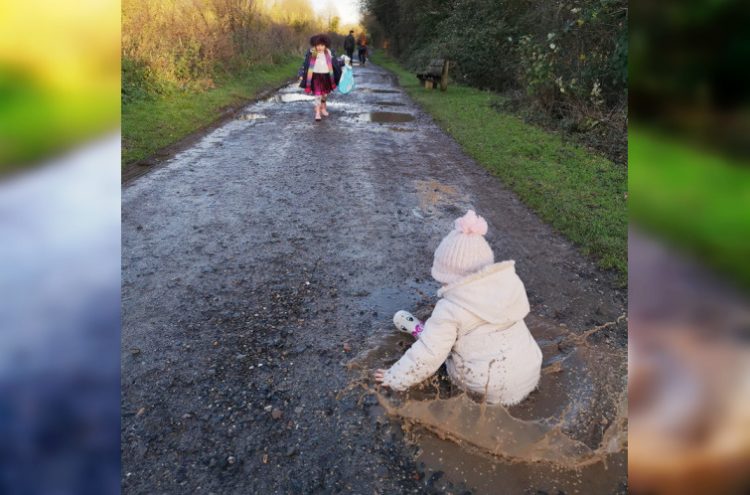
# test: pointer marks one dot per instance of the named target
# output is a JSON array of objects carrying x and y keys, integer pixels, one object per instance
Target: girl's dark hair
[{"x": 320, "y": 39}]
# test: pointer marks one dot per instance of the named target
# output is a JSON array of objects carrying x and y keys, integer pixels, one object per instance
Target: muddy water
[
  {"x": 379, "y": 117},
  {"x": 284, "y": 97},
  {"x": 251, "y": 116},
  {"x": 378, "y": 90},
  {"x": 386, "y": 117},
  {"x": 568, "y": 435}
]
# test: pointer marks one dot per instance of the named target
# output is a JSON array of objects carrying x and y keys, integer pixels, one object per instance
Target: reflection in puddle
[
  {"x": 390, "y": 103},
  {"x": 569, "y": 435},
  {"x": 251, "y": 116},
  {"x": 290, "y": 98},
  {"x": 386, "y": 117},
  {"x": 376, "y": 90}
]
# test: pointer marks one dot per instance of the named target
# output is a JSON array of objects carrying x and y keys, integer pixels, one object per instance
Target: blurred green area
[
  {"x": 689, "y": 152},
  {"x": 59, "y": 77},
  {"x": 696, "y": 199},
  {"x": 690, "y": 69},
  {"x": 38, "y": 121}
]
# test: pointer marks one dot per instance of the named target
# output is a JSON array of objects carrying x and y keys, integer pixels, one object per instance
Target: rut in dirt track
[{"x": 255, "y": 266}]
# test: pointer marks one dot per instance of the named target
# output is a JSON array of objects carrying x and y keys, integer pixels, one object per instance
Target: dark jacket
[
  {"x": 349, "y": 43},
  {"x": 306, "y": 65}
]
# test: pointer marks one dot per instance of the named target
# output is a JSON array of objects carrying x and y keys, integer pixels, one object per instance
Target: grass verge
[
  {"x": 148, "y": 125},
  {"x": 581, "y": 194},
  {"x": 695, "y": 199}
]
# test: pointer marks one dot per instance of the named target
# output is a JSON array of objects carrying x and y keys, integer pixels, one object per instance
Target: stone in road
[{"x": 258, "y": 262}]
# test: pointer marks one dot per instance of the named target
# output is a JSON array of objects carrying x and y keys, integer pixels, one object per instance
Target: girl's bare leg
[{"x": 318, "y": 105}]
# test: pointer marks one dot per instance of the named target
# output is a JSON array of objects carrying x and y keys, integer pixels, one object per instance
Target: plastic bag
[{"x": 346, "y": 84}]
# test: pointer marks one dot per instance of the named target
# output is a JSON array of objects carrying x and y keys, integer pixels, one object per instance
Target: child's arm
[
  {"x": 426, "y": 355},
  {"x": 305, "y": 64}
]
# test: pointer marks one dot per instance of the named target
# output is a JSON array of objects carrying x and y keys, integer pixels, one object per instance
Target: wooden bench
[{"x": 436, "y": 72}]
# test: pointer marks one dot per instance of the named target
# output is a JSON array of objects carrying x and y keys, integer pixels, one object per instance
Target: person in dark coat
[
  {"x": 320, "y": 73},
  {"x": 362, "y": 48},
  {"x": 349, "y": 43}
]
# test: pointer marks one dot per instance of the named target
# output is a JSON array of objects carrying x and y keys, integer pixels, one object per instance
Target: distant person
[
  {"x": 349, "y": 43},
  {"x": 320, "y": 73},
  {"x": 362, "y": 48},
  {"x": 477, "y": 327}
]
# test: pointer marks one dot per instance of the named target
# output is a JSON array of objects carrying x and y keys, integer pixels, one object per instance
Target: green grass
[
  {"x": 695, "y": 199},
  {"x": 581, "y": 194},
  {"x": 148, "y": 125},
  {"x": 38, "y": 121}
]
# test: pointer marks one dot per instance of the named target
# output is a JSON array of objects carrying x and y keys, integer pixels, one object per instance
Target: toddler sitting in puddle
[{"x": 477, "y": 326}]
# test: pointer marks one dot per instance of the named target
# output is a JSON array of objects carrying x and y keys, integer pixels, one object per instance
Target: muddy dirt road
[{"x": 260, "y": 262}]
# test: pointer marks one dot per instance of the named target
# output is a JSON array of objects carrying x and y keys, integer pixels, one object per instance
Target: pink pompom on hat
[{"x": 463, "y": 251}]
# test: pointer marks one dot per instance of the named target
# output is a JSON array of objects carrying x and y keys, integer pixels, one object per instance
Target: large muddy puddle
[{"x": 569, "y": 435}]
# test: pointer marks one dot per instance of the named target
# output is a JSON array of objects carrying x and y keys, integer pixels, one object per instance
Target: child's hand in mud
[{"x": 380, "y": 376}]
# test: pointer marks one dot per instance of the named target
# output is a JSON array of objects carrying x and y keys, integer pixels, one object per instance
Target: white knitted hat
[{"x": 463, "y": 251}]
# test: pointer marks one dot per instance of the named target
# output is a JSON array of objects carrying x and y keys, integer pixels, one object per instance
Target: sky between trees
[{"x": 348, "y": 10}]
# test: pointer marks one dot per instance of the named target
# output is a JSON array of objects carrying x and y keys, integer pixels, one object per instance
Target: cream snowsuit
[{"x": 477, "y": 329}]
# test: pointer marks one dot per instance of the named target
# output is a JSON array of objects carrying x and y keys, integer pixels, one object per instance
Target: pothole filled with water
[
  {"x": 290, "y": 98},
  {"x": 251, "y": 116},
  {"x": 568, "y": 435},
  {"x": 385, "y": 117},
  {"x": 377, "y": 90}
]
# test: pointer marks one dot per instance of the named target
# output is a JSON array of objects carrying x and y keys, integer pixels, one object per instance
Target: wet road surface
[{"x": 258, "y": 263}]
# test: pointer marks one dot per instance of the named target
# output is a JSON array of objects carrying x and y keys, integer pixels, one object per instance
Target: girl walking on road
[
  {"x": 320, "y": 73},
  {"x": 477, "y": 327}
]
